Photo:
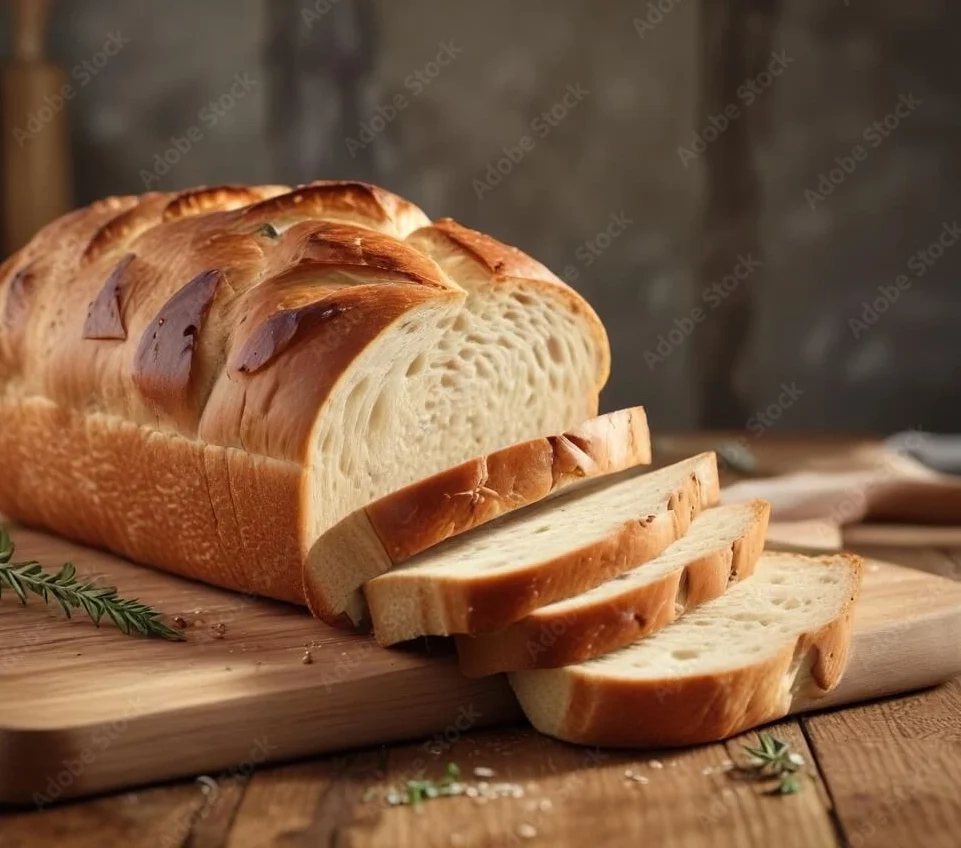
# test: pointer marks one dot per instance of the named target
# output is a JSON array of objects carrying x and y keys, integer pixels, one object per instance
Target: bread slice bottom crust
[
  {"x": 583, "y": 705},
  {"x": 561, "y": 634}
]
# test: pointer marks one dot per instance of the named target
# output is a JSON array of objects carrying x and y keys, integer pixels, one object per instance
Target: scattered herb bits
[
  {"x": 773, "y": 759},
  {"x": 416, "y": 792}
]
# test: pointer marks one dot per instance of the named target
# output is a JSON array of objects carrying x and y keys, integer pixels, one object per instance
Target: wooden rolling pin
[{"x": 36, "y": 174}]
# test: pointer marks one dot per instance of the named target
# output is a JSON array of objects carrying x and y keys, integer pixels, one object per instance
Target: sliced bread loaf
[
  {"x": 721, "y": 547},
  {"x": 733, "y": 663},
  {"x": 394, "y": 528},
  {"x": 484, "y": 580}
]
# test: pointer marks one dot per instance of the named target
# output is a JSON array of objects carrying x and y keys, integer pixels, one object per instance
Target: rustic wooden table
[{"x": 882, "y": 774}]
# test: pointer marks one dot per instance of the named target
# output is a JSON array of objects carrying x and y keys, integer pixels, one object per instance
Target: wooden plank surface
[{"x": 84, "y": 711}]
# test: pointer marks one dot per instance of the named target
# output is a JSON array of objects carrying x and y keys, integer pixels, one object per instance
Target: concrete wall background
[{"x": 615, "y": 152}]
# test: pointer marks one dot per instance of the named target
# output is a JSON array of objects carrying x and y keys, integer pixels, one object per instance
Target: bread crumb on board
[{"x": 307, "y": 658}]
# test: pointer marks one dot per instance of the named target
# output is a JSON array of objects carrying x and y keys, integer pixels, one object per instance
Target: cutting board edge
[{"x": 51, "y": 752}]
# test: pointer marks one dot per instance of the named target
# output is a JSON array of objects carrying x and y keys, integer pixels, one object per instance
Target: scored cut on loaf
[
  {"x": 734, "y": 663},
  {"x": 206, "y": 381},
  {"x": 721, "y": 547},
  {"x": 486, "y": 579},
  {"x": 389, "y": 531}
]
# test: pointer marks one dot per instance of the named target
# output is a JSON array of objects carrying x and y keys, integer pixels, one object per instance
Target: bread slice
[
  {"x": 721, "y": 547},
  {"x": 736, "y": 662},
  {"x": 391, "y": 530},
  {"x": 484, "y": 580}
]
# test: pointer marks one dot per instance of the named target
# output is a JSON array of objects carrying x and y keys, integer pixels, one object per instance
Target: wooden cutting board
[{"x": 85, "y": 710}]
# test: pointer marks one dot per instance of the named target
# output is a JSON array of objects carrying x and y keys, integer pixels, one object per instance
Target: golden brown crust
[
  {"x": 494, "y": 600},
  {"x": 167, "y": 330},
  {"x": 697, "y": 709},
  {"x": 197, "y": 201},
  {"x": 355, "y": 203},
  {"x": 123, "y": 228},
  {"x": 501, "y": 261},
  {"x": 206, "y": 512},
  {"x": 550, "y": 639},
  {"x": 49, "y": 258}
]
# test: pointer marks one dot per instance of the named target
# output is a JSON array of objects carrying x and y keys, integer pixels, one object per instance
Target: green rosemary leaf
[
  {"x": 71, "y": 593},
  {"x": 12, "y": 578},
  {"x": 6, "y": 545},
  {"x": 92, "y": 609},
  {"x": 65, "y": 575}
]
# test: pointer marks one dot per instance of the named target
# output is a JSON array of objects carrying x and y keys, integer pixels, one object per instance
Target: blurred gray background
[{"x": 605, "y": 196}]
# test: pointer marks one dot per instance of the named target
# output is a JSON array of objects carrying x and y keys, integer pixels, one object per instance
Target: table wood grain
[{"x": 887, "y": 773}]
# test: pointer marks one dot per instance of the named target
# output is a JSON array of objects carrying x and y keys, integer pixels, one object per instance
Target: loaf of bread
[{"x": 208, "y": 381}]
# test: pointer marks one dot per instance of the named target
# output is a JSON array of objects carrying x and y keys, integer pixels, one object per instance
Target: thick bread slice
[
  {"x": 484, "y": 580},
  {"x": 734, "y": 663},
  {"x": 389, "y": 531},
  {"x": 721, "y": 547}
]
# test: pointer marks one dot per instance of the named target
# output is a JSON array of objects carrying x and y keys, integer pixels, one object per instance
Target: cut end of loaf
[{"x": 522, "y": 353}]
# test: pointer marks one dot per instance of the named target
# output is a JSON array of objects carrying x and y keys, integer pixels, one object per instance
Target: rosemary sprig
[
  {"x": 72, "y": 593},
  {"x": 773, "y": 758},
  {"x": 417, "y": 791}
]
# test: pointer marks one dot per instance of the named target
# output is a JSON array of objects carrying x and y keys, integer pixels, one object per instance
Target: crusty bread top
[{"x": 228, "y": 314}]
